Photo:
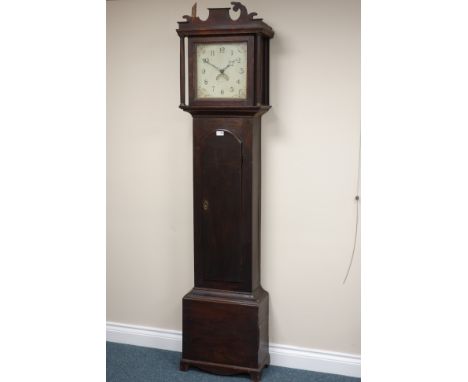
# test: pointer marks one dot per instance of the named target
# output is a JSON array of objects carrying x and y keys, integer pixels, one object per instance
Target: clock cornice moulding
[
  {"x": 248, "y": 111},
  {"x": 219, "y": 20}
]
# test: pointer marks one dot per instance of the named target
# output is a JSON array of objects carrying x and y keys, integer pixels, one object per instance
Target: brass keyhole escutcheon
[{"x": 205, "y": 205}]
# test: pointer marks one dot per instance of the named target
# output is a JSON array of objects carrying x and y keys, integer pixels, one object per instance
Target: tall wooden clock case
[{"x": 225, "y": 315}]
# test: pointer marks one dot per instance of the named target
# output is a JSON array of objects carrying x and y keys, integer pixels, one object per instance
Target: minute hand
[{"x": 214, "y": 66}]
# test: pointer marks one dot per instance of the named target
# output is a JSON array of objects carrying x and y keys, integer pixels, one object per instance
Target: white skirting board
[{"x": 281, "y": 355}]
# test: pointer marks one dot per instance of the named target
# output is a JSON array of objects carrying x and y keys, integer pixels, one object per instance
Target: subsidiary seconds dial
[{"x": 222, "y": 70}]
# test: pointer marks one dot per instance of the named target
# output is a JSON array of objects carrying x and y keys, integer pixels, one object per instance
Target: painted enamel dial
[{"x": 222, "y": 70}]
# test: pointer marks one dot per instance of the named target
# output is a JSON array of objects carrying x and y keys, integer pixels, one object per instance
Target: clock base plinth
[
  {"x": 225, "y": 333},
  {"x": 255, "y": 374}
]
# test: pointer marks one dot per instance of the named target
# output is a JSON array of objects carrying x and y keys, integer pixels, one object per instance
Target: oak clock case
[{"x": 225, "y": 315}]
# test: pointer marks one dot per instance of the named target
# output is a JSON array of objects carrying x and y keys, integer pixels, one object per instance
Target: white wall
[{"x": 309, "y": 169}]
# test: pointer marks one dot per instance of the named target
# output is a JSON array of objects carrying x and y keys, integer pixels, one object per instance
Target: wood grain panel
[{"x": 221, "y": 184}]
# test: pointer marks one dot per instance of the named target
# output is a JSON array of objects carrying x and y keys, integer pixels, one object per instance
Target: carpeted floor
[{"x": 126, "y": 363}]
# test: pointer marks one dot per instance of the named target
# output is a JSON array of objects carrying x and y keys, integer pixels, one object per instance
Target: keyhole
[{"x": 205, "y": 205}]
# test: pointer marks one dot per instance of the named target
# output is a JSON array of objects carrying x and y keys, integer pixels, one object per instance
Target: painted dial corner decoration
[{"x": 222, "y": 70}]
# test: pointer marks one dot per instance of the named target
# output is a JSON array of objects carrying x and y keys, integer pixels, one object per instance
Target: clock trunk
[{"x": 226, "y": 177}]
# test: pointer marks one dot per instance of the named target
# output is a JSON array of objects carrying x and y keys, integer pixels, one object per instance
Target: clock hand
[
  {"x": 221, "y": 71},
  {"x": 206, "y": 61},
  {"x": 231, "y": 63},
  {"x": 227, "y": 66}
]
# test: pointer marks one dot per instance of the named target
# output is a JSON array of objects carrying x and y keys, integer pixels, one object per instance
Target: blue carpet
[{"x": 126, "y": 363}]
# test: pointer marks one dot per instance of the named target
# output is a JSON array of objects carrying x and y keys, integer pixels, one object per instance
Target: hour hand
[{"x": 228, "y": 65}]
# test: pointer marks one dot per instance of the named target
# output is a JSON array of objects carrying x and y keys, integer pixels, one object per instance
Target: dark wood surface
[
  {"x": 220, "y": 182},
  {"x": 226, "y": 233},
  {"x": 225, "y": 315},
  {"x": 219, "y": 22},
  {"x": 225, "y": 334}
]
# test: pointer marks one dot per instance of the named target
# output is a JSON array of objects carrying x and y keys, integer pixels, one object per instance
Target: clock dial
[{"x": 222, "y": 70}]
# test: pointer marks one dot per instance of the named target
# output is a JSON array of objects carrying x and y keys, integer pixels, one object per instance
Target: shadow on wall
[{"x": 271, "y": 119}]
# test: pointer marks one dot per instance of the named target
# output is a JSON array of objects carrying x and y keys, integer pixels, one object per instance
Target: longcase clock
[{"x": 225, "y": 315}]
